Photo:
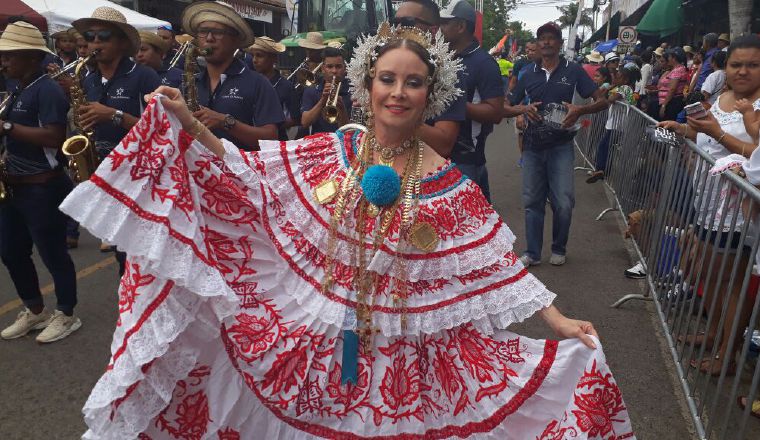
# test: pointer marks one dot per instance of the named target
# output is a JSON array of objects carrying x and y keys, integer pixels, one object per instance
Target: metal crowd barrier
[{"x": 697, "y": 236}]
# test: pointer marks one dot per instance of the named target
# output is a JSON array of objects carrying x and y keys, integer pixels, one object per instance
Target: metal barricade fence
[{"x": 697, "y": 236}]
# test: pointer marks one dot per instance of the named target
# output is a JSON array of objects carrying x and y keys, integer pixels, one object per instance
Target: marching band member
[
  {"x": 33, "y": 125},
  {"x": 65, "y": 46},
  {"x": 166, "y": 32},
  {"x": 152, "y": 53},
  {"x": 264, "y": 51},
  {"x": 82, "y": 47},
  {"x": 315, "y": 97},
  {"x": 314, "y": 45},
  {"x": 116, "y": 87},
  {"x": 237, "y": 103}
]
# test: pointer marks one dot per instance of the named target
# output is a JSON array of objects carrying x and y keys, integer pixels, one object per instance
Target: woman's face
[
  {"x": 598, "y": 78},
  {"x": 399, "y": 90},
  {"x": 743, "y": 70},
  {"x": 620, "y": 78}
]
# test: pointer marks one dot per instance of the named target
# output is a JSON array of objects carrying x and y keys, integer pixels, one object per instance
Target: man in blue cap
[
  {"x": 483, "y": 89},
  {"x": 548, "y": 154}
]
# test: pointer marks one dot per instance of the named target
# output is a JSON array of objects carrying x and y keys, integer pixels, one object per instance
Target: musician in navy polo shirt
[
  {"x": 548, "y": 153},
  {"x": 315, "y": 97},
  {"x": 483, "y": 89},
  {"x": 152, "y": 53},
  {"x": 237, "y": 104},
  {"x": 33, "y": 127}
]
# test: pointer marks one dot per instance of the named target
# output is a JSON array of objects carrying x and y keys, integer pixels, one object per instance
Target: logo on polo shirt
[
  {"x": 19, "y": 103},
  {"x": 120, "y": 90},
  {"x": 119, "y": 94},
  {"x": 232, "y": 93},
  {"x": 564, "y": 81}
]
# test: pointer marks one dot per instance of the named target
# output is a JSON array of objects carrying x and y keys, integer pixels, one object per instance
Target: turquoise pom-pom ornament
[{"x": 381, "y": 185}]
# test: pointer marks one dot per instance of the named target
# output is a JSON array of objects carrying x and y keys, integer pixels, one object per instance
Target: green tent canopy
[{"x": 664, "y": 17}]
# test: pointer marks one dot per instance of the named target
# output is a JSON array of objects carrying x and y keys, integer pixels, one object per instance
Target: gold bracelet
[
  {"x": 196, "y": 129},
  {"x": 721, "y": 136}
]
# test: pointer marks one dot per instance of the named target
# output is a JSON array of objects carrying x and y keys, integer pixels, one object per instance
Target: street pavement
[{"x": 43, "y": 388}]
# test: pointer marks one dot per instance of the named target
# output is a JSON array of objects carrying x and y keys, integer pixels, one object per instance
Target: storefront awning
[
  {"x": 663, "y": 18},
  {"x": 601, "y": 33},
  {"x": 12, "y": 8}
]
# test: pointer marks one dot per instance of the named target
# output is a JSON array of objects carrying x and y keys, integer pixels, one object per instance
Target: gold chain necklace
[{"x": 389, "y": 154}]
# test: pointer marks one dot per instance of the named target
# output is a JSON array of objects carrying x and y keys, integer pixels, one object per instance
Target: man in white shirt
[{"x": 715, "y": 82}]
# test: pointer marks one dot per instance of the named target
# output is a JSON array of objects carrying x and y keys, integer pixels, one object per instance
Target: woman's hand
[
  {"x": 175, "y": 103},
  {"x": 744, "y": 106},
  {"x": 565, "y": 327},
  {"x": 673, "y": 126},
  {"x": 707, "y": 125}
]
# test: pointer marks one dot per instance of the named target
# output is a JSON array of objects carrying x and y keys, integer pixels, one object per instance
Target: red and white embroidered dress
[{"x": 224, "y": 333}]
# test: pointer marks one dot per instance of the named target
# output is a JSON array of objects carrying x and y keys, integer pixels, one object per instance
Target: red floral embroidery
[
  {"x": 348, "y": 394},
  {"x": 598, "y": 407},
  {"x": 228, "y": 434},
  {"x": 401, "y": 384},
  {"x": 189, "y": 407},
  {"x": 556, "y": 431},
  {"x": 129, "y": 285},
  {"x": 287, "y": 371}
]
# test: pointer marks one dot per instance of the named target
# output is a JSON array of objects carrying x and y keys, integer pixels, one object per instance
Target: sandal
[
  {"x": 598, "y": 175},
  {"x": 754, "y": 411},
  {"x": 709, "y": 366},
  {"x": 696, "y": 340}
]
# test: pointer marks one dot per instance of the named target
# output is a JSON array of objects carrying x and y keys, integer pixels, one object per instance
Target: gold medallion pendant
[
  {"x": 423, "y": 236},
  {"x": 325, "y": 192}
]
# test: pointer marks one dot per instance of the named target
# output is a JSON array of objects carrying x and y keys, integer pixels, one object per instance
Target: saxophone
[
  {"x": 80, "y": 149},
  {"x": 192, "y": 52},
  {"x": 5, "y": 190}
]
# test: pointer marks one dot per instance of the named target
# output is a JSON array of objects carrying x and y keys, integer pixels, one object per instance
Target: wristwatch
[
  {"x": 229, "y": 122},
  {"x": 117, "y": 118},
  {"x": 7, "y": 126}
]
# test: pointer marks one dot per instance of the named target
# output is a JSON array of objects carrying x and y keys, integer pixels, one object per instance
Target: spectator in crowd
[
  {"x": 750, "y": 117},
  {"x": 709, "y": 46},
  {"x": 713, "y": 85},
  {"x": 595, "y": 60},
  {"x": 622, "y": 90},
  {"x": 549, "y": 152},
  {"x": 696, "y": 67},
  {"x": 719, "y": 134},
  {"x": 723, "y": 42},
  {"x": 505, "y": 69},
  {"x": 521, "y": 66},
  {"x": 603, "y": 78},
  {"x": 689, "y": 56},
  {"x": 646, "y": 75},
  {"x": 659, "y": 68},
  {"x": 611, "y": 62},
  {"x": 671, "y": 86}
]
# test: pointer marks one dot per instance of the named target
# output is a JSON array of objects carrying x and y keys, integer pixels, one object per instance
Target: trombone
[{"x": 65, "y": 69}]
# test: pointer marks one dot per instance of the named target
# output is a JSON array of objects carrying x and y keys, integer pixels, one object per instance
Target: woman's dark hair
[
  {"x": 605, "y": 72},
  {"x": 750, "y": 41},
  {"x": 431, "y": 6},
  {"x": 408, "y": 44},
  {"x": 678, "y": 54},
  {"x": 695, "y": 96},
  {"x": 647, "y": 56},
  {"x": 632, "y": 75},
  {"x": 719, "y": 58}
]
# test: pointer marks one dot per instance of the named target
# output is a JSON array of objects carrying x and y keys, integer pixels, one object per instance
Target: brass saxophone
[
  {"x": 192, "y": 52},
  {"x": 5, "y": 190},
  {"x": 80, "y": 149},
  {"x": 330, "y": 111}
]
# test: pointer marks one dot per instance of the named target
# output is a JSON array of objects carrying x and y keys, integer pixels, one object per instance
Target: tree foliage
[
  {"x": 569, "y": 11},
  {"x": 496, "y": 20}
]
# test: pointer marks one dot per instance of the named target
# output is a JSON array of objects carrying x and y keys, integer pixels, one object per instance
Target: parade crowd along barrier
[{"x": 697, "y": 235}]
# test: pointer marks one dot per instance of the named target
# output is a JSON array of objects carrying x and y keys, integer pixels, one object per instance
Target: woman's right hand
[
  {"x": 673, "y": 126},
  {"x": 175, "y": 103}
]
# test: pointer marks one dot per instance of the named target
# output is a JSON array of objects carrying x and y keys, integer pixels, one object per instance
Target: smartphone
[{"x": 696, "y": 110}]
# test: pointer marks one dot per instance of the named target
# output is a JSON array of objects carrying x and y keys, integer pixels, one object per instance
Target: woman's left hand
[
  {"x": 707, "y": 125},
  {"x": 565, "y": 327}
]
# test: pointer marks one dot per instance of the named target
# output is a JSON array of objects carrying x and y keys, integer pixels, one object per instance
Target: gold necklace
[{"x": 388, "y": 154}]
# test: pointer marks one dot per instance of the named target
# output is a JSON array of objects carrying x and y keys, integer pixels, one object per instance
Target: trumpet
[
  {"x": 330, "y": 111},
  {"x": 310, "y": 77},
  {"x": 65, "y": 69}
]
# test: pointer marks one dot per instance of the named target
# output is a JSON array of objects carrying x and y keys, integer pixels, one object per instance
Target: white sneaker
[
  {"x": 59, "y": 327},
  {"x": 527, "y": 261},
  {"x": 557, "y": 260},
  {"x": 26, "y": 321},
  {"x": 637, "y": 272}
]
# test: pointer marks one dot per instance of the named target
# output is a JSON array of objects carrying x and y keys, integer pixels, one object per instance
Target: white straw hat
[
  {"x": 108, "y": 16},
  {"x": 22, "y": 36},
  {"x": 198, "y": 12}
]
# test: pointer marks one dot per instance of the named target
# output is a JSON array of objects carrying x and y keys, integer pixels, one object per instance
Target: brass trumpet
[
  {"x": 80, "y": 149},
  {"x": 330, "y": 111}
]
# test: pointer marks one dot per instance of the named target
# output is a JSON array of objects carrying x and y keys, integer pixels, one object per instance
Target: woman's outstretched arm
[
  {"x": 173, "y": 102},
  {"x": 568, "y": 328}
]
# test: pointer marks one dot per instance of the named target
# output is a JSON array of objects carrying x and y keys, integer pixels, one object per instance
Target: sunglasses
[
  {"x": 410, "y": 22},
  {"x": 104, "y": 35},
  {"x": 216, "y": 33}
]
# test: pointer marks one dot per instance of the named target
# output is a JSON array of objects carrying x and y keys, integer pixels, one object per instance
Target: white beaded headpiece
[{"x": 444, "y": 78}]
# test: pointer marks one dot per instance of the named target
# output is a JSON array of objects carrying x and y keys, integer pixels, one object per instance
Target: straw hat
[
  {"x": 659, "y": 51},
  {"x": 74, "y": 34},
  {"x": 595, "y": 57},
  {"x": 199, "y": 12},
  {"x": 335, "y": 44},
  {"x": 725, "y": 38},
  {"x": 107, "y": 16},
  {"x": 154, "y": 40},
  {"x": 313, "y": 40},
  {"x": 59, "y": 34},
  {"x": 688, "y": 49},
  {"x": 184, "y": 38},
  {"x": 267, "y": 44},
  {"x": 22, "y": 36},
  {"x": 611, "y": 57}
]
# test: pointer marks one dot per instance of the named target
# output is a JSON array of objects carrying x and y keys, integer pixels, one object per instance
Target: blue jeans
[
  {"x": 602, "y": 152},
  {"x": 548, "y": 173},
  {"x": 479, "y": 175},
  {"x": 32, "y": 218}
]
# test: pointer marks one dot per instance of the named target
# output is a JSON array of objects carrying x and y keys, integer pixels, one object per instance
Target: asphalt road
[{"x": 43, "y": 388}]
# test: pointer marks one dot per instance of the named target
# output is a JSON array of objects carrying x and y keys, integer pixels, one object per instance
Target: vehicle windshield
[{"x": 348, "y": 16}]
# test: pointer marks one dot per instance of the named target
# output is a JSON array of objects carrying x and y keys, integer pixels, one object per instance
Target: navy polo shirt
[
  {"x": 558, "y": 87},
  {"x": 170, "y": 77},
  {"x": 41, "y": 103},
  {"x": 246, "y": 95},
  {"x": 481, "y": 81},
  {"x": 124, "y": 91},
  {"x": 290, "y": 107},
  {"x": 311, "y": 96}
]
